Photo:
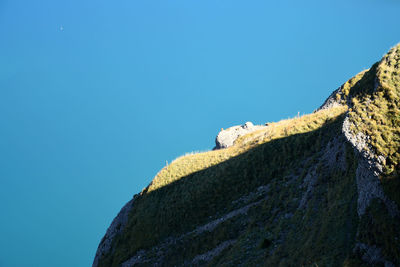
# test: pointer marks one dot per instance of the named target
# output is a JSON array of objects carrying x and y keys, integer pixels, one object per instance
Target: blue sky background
[{"x": 95, "y": 96}]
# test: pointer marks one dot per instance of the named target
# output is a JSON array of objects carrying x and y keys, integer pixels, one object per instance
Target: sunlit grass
[
  {"x": 199, "y": 187},
  {"x": 194, "y": 162},
  {"x": 377, "y": 112}
]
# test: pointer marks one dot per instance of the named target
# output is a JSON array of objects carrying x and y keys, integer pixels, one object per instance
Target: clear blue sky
[{"x": 95, "y": 96}]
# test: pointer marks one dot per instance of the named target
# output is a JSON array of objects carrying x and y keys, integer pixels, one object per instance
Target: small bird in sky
[{"x": 61, "y": 28}]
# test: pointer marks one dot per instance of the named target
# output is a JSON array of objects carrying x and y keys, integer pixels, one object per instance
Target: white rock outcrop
[
  {"x": 226, "y": 138},
  {"x": 369, "y": 168}
]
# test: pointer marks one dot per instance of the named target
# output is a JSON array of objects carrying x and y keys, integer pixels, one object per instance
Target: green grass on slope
[
  {"x": 197, "y": 188},
  {"x": 378, "y": 228},
  {"x": 185, "y": 202},
  {"x": 192, "y": 163},
  {"x": 376, "y": 111},
  {"x": 321, "y": 234}
]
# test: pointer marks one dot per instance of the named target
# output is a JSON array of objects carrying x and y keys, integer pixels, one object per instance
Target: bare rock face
[
  {"x": 116, "y": 227},
  {"x": 331, "y": 101},
  {"x": 226, "y": 138},
  {"x": 368, "y": 171}
]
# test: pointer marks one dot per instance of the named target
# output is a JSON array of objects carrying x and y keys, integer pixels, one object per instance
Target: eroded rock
[
  {"x": 367, "y": 175},
  {"x": 226, "y": 138},
  {"x": 116, "y": 227}
]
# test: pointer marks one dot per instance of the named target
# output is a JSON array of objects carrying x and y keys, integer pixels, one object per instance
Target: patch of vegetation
[
  {"x": 192, "y": 163},
  {"x": 323, "y": 233},
  {"x": 198, "y": 197},
  {"x": 347, "y": 89},
  {"x": 376, "y": 112},
  {"x": 378, "y": 228},
  {"x": 198, "y": 188},
  {"x": 391, "y": 185}
]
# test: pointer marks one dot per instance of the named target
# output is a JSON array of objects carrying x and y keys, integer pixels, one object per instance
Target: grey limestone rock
[
  {"x": 372, "y": 255},
  {"x": 368, "y": 187},
  {"x": 367, "y": 174},
  {"x": 162, "y": 249},
  {"x": 333, "y": 156},
  {"x": 115, "y": 228},
  {"x": 226, "y": 138},
  {"x": 335, "y": 99},
  {"x": 331, "y": 101},
  {"x": 309, "y": 183},
  {"x": 206, "y": 257}
]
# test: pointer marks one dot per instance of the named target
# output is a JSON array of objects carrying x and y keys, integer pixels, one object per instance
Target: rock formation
[
  {"x": 318, "y": 190},
  {"x": 227, "y": 137}
]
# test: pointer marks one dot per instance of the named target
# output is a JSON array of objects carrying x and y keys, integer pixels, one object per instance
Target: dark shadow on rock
[{"x": 195, "y": 199}]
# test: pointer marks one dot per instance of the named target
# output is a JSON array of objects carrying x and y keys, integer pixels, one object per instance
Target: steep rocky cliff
[{"x": 318, "y": 190}]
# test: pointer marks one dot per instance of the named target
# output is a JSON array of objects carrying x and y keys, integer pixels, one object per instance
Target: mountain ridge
[{"x": 308, "y": 190}]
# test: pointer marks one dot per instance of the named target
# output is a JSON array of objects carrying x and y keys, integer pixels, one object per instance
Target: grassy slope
[
  {"x": 196, "y": 188},
  {"x": 179, "y": 198},
  {"x": 376, "y": 112},
  {"x": 191, "y": 163}
]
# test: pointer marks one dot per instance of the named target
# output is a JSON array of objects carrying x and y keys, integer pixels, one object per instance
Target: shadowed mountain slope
[{"x": 317, "y": 190}]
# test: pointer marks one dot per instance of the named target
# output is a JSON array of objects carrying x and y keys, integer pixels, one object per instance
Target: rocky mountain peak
[{"x": 322, "y": 189}]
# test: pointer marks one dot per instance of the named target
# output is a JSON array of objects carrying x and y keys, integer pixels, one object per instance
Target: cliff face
[{"x": 322, "y": 189}]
